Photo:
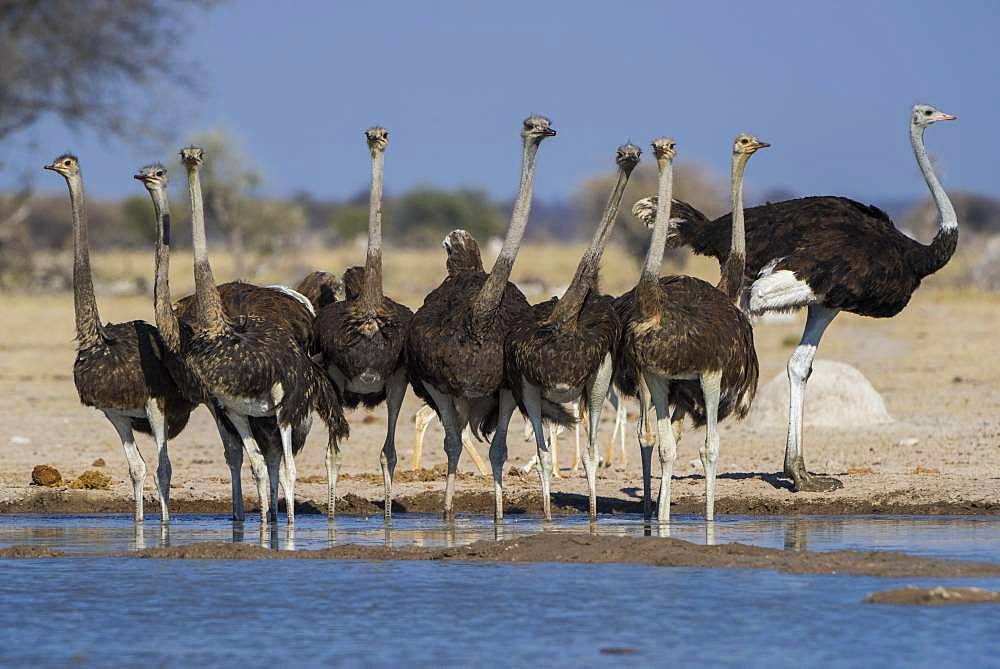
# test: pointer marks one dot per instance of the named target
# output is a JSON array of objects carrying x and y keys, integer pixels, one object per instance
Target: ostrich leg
[
  {"x": 646, "y": 440},
  {"x": 421, "y": 421},
  {"x": 621, "y": 422},
  {"x": 498, "y": 451},
  {"x": 533, "y": 403},
  {"x": 452, "y": 443},
  {"x": 332, "y": 472},
  {"x": 288, "y": 472},
  {"x": 233, "y": 450},
  {"x": 799, "y": 369},
  {"x": 136, "y": 465},
  {"x": 470, "y": 448},
  {"x": 258, "y": 466},
  {"x": 553, "y": 443},
  {"x": 158, "y": 425},
  {"x": 272, "y": 456},
  {"x": 659, "y": 389},
  {"x": 597, "y": 393},
  {"x": 711, "y": 387},
  {"x": 395, "y": 391}
]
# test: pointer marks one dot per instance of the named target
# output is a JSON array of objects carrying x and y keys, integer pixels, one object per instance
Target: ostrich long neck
[
  {"x": 585, "y": 278},
  {"x": 731, "y": 281},
  {"x": 939, "y": 252},
  {"x": 372, "y": 293},
  {"x": 210, "y": 312},
  {"x": 166, "y": 320},
  {"x": 649, "y": 280},
  {"x": 492, "y": 291},
  {"x": 88, "y": 321}
]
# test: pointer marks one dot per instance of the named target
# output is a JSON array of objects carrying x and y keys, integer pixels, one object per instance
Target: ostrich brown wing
[
  {"x": 124, "y": 369},
  {"x": 246, "y": 299},
  {"x": 699, "y": 330},
  {"x": 356, "y": 341},
  {"x": 561, "y": 354},
  {"x": 249, "y": 360}
]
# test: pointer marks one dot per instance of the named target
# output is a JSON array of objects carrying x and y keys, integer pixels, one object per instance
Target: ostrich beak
[
  {"x": 50, "y": 166},
  {"x": 948, "y": 117},
  {"x": 549, "y": 132},
  {"x": 763, "y": 145},
  {"x": 139, "y": 177}
]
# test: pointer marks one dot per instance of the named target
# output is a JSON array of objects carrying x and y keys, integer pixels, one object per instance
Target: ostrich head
[
  {"x": 536, "y": 128},
  {"x": 925, "y": 115},
  {"x": 193, "y": 157},
  {"x": 66, "y": 165},
  {"x": 378, "y": 138},
  {"x": 153, "y": 177},
  {"x": 628, "y": 156},
  {"x": 354, "y": 281},
  {"x": 664, "y": 148},
  {"x": 746, "y": 145},
  {"x": 463, "y": 253}
]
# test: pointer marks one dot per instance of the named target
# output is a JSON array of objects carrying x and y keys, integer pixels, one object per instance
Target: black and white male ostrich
[
  {"x": 455, "y": 351},
  {"x": 828, "y": 254},
  {"x": 254, "y": 366},
  {"x": 238, "y": 299},
  {"x": 678, "y": 329},
  {"x": 361, "y": 338},
  {"x": 120, "y": 368},
  {"x": 563, "y": 350}
]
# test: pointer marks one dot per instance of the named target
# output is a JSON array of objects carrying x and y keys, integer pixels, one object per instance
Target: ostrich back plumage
[
  {"x": 563, "y": 353},
  {"x": 697, "y": 330},
  {"x": 850, "y": 254},
  {"x": 124, "y": 368},
  {"x": 320, "y": 288},
  {"x": 251, "y": 358},
  {"x": 240, "y": 299},
  {"x": 357, "y": 339}
]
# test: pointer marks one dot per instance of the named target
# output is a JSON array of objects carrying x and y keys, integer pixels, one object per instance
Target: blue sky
[{"x": 829, "y": 84}]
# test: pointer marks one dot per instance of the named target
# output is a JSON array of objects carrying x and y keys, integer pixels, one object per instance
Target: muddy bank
[
  {"x": 939, "y": 596},
  {"x": 27, "y": 552},
  {"x": 591, "y": 549},
  {"x": 66, "y": 501}
]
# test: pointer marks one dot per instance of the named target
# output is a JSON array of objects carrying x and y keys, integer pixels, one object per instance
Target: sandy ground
[{"x": 935, "y": 365}]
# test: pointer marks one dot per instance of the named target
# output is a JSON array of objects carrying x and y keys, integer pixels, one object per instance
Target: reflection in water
[{"x": 971, "y": 537}]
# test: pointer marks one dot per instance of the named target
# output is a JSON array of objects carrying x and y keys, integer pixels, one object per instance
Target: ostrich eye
[
  {"x": 159, "y": 173},
  {"x": 66, "y": 163},
  {"x": 927, "y": 112},
  {"x": 743, "y": 141}
]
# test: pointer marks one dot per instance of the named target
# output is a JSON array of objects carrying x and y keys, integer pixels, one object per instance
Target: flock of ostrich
[{"x": 265, "y": 359}]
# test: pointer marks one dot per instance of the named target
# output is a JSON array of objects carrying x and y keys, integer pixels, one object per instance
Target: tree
[
  {"x": 426, "y": 215},
  {"x": 79, "y": 60},
  {"x": 693, "y": 183}
]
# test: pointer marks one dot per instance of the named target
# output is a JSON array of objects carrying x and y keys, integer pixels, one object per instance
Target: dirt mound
[
  {"x": 27, "y": 552},
  {"x": 92, "y": 480},
  {"x": 839, "y": 396},
  {"x": 45, "y": 475},
  {"x": 939, "y": 596},
  {"x": 595, "y": 549}
]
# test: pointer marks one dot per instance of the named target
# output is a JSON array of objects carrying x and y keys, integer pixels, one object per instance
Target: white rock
[
  {"x": 908, "y": 442},
  {"x": 837, "y": 396},
  {"x": 18, "y": 440}
]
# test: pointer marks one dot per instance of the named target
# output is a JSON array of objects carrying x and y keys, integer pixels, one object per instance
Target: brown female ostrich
[
  {"x": 254, "y": 366},
  {"x": 176, "y": 329},
  {"x": 562, "y": 350},
  {"x": 361, "y": 338},
  {"x": 678, "y": 328},
  {"x": 455, "y": 351},
  {"x": 321, "y": 288},
  {"x": 828, "y": 254},
  {"x": 120, "y": 367}
]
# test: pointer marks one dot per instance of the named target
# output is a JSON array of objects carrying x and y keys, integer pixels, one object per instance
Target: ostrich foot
[{"x": 803, "y": 481}]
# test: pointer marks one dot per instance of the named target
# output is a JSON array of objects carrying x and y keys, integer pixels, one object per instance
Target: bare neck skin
[
  {"x": 88, "y": 321},
  {"x": 946, "y": 212},
  {"x": 211, "y": 316},
  {"x": 731, "y": 282},
  {"x": 648, "y": 288},
  {"x": 372, "y": 292},
  {"x": 491, "y": 293},
  {"x": 585, "y": 279},
  {"x": 166, "y": 320}
]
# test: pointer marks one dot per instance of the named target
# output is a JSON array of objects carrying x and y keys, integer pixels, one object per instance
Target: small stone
[
  {"x": 99, "y": 462},
  {"x": 45, "y": 475},
  {"x": 694, "y": 464},
  {"x": 18, "y": 440},
  {"x": 907, "y": 442},
  {"x": 92, "y": 480}
]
